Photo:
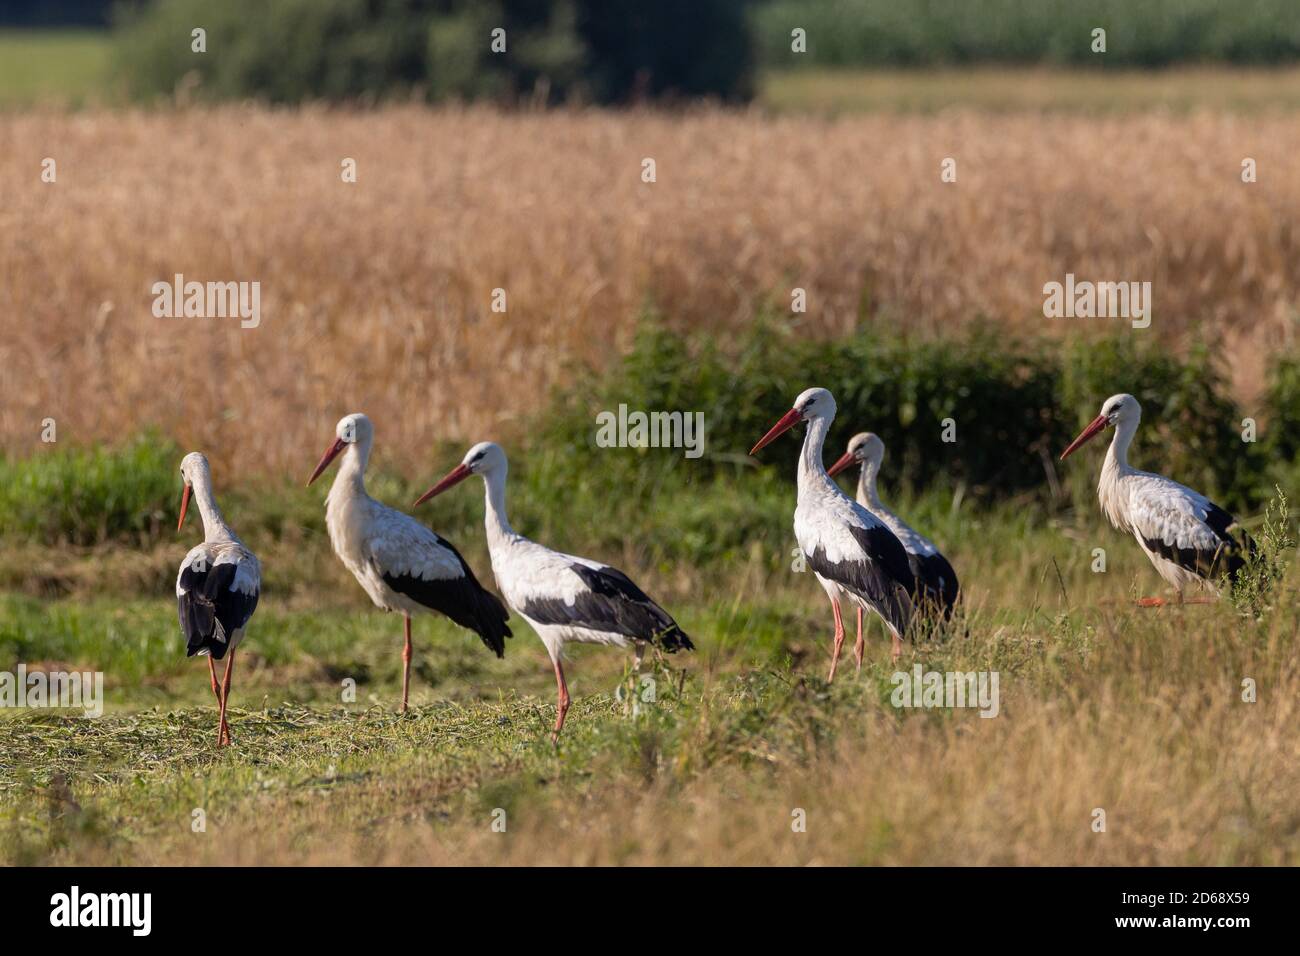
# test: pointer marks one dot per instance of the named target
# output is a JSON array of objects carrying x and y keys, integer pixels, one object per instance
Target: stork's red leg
[
  {"x": 1151, "y": 602},
  {"x": 562, "y": 700},
  {"x": 859, "y": 646},
  {"x": 216, "y": 692},
  {"x": 406, "y": 659},
  {"x": 223, "y": 730},
  {"x": 839, "y": 639},
  {"x": 896, "y": 651}
]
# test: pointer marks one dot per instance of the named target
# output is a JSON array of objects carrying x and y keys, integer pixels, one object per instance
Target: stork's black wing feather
[
  {"x": 209, "y": 610},
  {"x": 884, "y": 580},
  {"x": 462, "y": 599},
  {"x": 614, "y": 604},
  {"x": 1226, "y": 559}
]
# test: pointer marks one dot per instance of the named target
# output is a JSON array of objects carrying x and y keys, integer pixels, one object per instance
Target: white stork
[
  {"x": 399, "y": 562},
  {"x": 936, "y": 582},
  {"x": 217, "y": 586},
  {"x": 565, "y": 598},
  {"x": 853, "y": 553},
  {"x": 1187, "y": 537}
]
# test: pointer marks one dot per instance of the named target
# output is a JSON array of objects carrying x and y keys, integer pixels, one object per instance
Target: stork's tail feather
[
  {"x": 491, "y": 624},
  {"x": 672, "y": 640},
  {"x": 1239, "y": 557},
  {"x": 202, "y": 627}
]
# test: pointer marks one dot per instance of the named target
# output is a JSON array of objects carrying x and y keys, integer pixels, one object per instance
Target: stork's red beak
[
  {"x": 453, "y": 477},
  {"x": 185, "y": 503},
  {"x": 330, "y": 454},
  {"x": 1094, "y": 428},
  {"x": 843, "y": 462},
  {"x": 788, "y": 421}
]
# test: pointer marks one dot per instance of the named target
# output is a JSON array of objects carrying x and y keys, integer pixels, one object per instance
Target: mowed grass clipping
[
  {"x": 1134, "y": 712},
  {"x": 377, "y": 295}
]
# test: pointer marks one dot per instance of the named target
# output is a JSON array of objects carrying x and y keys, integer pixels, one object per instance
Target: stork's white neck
[
  {"x": 1123, "y": 437},
  {"x": 214, "y": 525},
  {"x": 1114, "y": 503},
  {"x": 494, "y": 512},
  {"x": 350, "y": 481},
  {"x": 867, "y": 484},
  {"x": 812, "y": 471}
]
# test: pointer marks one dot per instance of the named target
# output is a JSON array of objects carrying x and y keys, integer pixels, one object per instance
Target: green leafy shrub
[
  {"x": 1282, "y": 402},
  {"x": 1267, "y": 564},
  {"x": 1013, "y": 410}
]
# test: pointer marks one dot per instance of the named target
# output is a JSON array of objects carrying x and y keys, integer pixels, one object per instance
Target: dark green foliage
[
  {"x": 1282, "y": 431},
  {"x": 284, "y": 52},
  {"x": 297, "y": 50},
  {"x": 1014, "y": 409},
  {"x": 671, "y": 48},
  {"x": 956, "y": 32}
]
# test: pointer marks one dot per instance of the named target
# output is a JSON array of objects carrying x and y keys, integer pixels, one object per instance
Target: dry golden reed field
[{"x": 377, "y": 294}]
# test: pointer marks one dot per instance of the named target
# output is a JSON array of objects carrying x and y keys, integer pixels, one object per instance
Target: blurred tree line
[
  {"x": 63, "y": 13},
  {"x": 620, "y": 51},
  {"x": 926, "y": 33},
  {"x": 603, "y": 51}
]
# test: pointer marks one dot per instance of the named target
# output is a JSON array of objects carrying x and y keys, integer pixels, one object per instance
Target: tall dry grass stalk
[{"x": 376, "y": 295}]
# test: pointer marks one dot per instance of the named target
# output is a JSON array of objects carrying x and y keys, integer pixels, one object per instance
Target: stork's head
[
  {"x": 1118, "y": 410},
  {"x": 485, "y": 458},
  {"x": 864, "y": 447},
  {"x": 194, "y": 467},
  {"x": 354, "y": 429},
  {"x": 812, "y": 403}
]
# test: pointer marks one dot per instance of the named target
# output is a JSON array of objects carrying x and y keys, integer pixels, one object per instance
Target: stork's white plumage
[
  {"x": 565, "y": 598},
  {"x": 1189, "y": 539},
  {"x": 217, "y": 586},
  {"x": 936, "y": 582},
  {"x": 852, "y": 552},
  {"x": 399, "y": 562}
]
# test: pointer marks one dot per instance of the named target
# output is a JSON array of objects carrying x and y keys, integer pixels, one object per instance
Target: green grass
[
  {"x": 745, "y": 723},
  {"x": 68, "y": 67},
  {"x": 742, "y": 727}
]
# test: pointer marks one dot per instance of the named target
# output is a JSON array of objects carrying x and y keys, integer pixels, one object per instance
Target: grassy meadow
[
  {"x": 1135, "y": 711},
  {"x": 1102, "y": 704},
  {"x": 924, "y": 302}
]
